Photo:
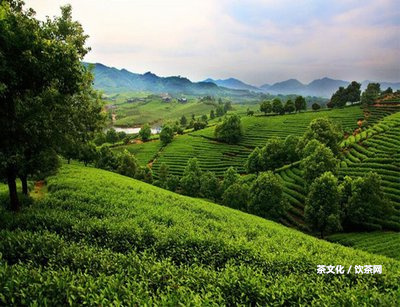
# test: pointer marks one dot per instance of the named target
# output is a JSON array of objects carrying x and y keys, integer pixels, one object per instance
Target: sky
[{"x": 256, "y": 41}]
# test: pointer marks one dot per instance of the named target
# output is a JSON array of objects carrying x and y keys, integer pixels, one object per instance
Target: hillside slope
[{"x": 99, "y": 238}]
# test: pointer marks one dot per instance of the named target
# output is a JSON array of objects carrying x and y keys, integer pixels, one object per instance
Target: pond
[{"x": 136, "y": 130}]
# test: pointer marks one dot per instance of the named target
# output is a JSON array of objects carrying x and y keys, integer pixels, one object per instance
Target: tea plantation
[
  {"x": 98, "y": 238},
  {"x": 217, "y": 157},
  {"x": 383, "y": 243}
]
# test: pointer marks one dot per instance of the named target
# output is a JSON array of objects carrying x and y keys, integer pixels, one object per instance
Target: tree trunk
[
  {"x": 12, "y": 188},
  {"x": 69, "y": 160},
  {"x": 24, "y": 180},
  {"x": 322, "y": 234}
]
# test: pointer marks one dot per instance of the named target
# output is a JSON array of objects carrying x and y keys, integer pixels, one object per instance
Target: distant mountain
[
  {"x": 325, "y": 87},
  {"x": 291, "y": 86},
  {"x": 233, "y": 84},
  {"x": 113, "y": 80}
]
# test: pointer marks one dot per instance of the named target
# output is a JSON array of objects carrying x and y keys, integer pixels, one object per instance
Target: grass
[{"x": 99, "y": 238}]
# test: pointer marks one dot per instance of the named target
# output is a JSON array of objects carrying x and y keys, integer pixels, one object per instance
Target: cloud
[{"x": 258, "y": 40}]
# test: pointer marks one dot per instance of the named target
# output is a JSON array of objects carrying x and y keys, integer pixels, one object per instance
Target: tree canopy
[
  {"x": 322, "y": 211},
  {"x": 230, "y": 130},
  {"x": 46, "y": 94},
  {"x": 145, "y": 132}
]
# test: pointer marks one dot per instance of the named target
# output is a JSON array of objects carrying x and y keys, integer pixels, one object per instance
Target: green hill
[{"x": 98, "y": 238}]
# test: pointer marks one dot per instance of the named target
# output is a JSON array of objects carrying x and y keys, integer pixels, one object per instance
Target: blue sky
[{"x": 257, "y": 41}]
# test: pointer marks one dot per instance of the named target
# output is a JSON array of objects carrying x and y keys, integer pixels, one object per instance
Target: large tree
[
  {"x": 321, "y": 160},
  {"x": 230, "y": 130},
  {"x": 145, "y": 132},
  {"x": 366, "y": 203},
  {"x": 322, "y": 211},
  {"x": 254, "y": 163},
  {"x": 300, "y": 103},
  {"x": 325, "y": 131},
  {"x": 371, "y": 93},
  {"x": 266, "y": 197},
  {"x": 166, "y": 135},
  {"x": 266, "y": 107},
  {"x": 289, "y": 106},
  {"x": 277, "y": 106},
  {"x": 46, "y": 97},
  {"x": 191, "y": 179},
  {"x": 273, "y": 154}
]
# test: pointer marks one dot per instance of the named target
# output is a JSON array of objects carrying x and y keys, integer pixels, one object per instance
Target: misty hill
[
  {"x": 233, "y": 84},
  {"x": 113, "y": 80}
]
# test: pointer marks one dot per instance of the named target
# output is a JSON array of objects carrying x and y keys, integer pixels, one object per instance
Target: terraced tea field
[
  {"x": 213, "y": 156},
  {"x": 257, "y": 129},
  {"x": 383, "y": 243},
  {"x": 379, "y": 152},
  {"x": 144, "y": 152},
  {"x": 100, "y": 239},
  {"x": 376, "y": 150}
]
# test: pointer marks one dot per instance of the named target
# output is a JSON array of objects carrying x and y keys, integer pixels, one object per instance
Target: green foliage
[
  {"x": 236, "y": 196},
  {"x": 325, "y": 131},
  {"x": 106, "y": 159},
  {"x": 230, "y": 130},
  {"x": 220, "y": 111},
  {"x": 277, "y": 106},
  {"x": 289, "y": 106},
  {"x": 131, "y": 243},
  {"x": 290, "y": 148},
  {"x": 145, "y": 132},
  {"x": 315, "y": 106},
  {"x": 321, "y": 160},
  {"x": 377, "y": 242},
  {"x": 47, "y": 101},
  {"x": 166, "y": 135},
  {"x": 173, "y": 183},
  {"x": 183, "y": 120},
  {"x": 365, "y": 202},
  {"x": 210, "y": 186},
  {"x": 88, "y": 153},
  {"x": 371, "y": 93},
  {"x": 273, "y": 154},
  {"x": 230, "y": 177},
  {"x": 322, "y": 212},
  {"x": 349, "y": 94},
  {"x": 266, "y": 107},
  {"x": 127, "y": 164},
  {"x": 300, "y": 103},
  {"x": 198, "y": 125},
  {"x": 112, "y": 136},
  {"x": 190, "y": 181},
  {"x": 266, "y": 197},
  {"x": 212, "y": 114},
  {"x": 254, "y": 162},
  {"x": 163, "y": 174}
]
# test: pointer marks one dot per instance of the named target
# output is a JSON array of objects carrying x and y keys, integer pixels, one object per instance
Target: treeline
[
  {"x": 352, "y": 94},
  {"x": 276, "y": 106}
]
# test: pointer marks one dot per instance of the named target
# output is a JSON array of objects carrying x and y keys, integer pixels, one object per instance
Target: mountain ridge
[{"x": 111, "y": 80}]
